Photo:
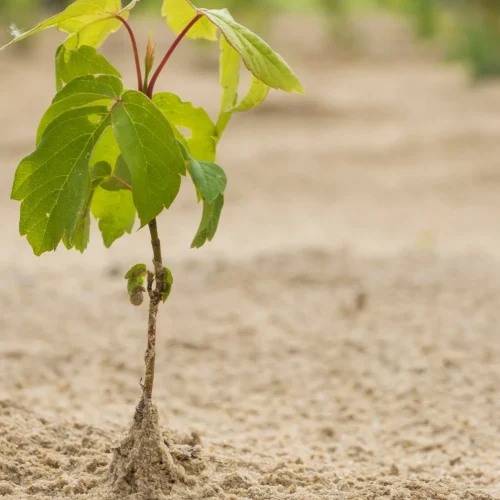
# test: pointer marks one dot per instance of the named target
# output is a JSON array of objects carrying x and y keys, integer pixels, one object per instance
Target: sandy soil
[{"x": 338, "y": 340}]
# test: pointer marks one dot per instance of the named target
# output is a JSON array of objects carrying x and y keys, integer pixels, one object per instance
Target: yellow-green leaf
[
  {"x": 230, "y": 63},
  {"x": 96, "y": 33},
  {"x": 184, "y": 114},
  {"x": 256, "y": 95},
  {"x": 135, "y": 277},
  {"x": 115, "y": 212},
  {"x": 169, "y": 281},
  {"x": 180, "y": 12},
  {"x": 106, "y": 150},
  {"x": 71, "y": 64},
  {"x": 88, "y": 22},
  {"x": 259, "y": 58}
]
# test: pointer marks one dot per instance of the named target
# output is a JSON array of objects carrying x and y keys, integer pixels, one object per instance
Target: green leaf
[
  {"x": 82, "y": 234},
  {"x": 150, "y": 149},
  {"x": 230, "y": 63},
  {"x": 71, "y": 64},
  {"x": 265, "y": 64},
  {"x": 81, "y": 237},
  {"x": 256, "y": 95},
  {"x": 169, "y": 281},
  {"x": 94, "y": 34},
  {"x": 54, "y": 181},
  {"x": 99, "y": 172},
  {"x": 121, "y": 178},
  {"x": 89, "y": 21},
  {"x": 135, "y": 277},
  {"x": 180, "y": 12},
  {"x": 209, "y": 222},
  {"x": 83, "y": 91},
  {"x": 106, "y": 150},
  {"x": 184, "y": 114},
  {"x": 115, "y": 212},
  {"x": 209, "y": 178}
]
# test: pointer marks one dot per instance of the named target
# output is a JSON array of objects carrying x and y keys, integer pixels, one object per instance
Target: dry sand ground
[{"x": 338, "y": 340}]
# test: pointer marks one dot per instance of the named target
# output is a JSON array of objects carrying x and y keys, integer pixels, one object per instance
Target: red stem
[
  {"x": 164, "y": 61},
  {"x": 136, "y": 51}
]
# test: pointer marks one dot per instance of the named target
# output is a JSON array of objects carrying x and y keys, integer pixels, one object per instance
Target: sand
[{"x": 338, "y": 340}]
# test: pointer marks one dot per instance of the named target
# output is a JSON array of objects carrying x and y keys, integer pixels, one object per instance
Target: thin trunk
[{"x": 155, "y": 297}]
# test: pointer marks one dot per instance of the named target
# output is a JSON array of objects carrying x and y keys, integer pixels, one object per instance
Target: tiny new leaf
[
  {"x": 119, "y": 178},
  {"x": 99, "y": 172},
  {"x": 135, "y": 283},
  {"x": 169, "y": 281},
  {"x": 135, "y": 277}
]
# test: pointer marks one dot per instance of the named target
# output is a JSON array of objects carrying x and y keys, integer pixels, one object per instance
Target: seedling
[{"x": 114, "y": 154}]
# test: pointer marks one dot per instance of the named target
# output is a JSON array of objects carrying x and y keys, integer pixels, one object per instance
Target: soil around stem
[{"x": 142, "y": 464}]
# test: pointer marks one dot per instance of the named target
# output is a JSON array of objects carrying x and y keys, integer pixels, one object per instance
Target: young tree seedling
[{"x": 114, "y": 154}]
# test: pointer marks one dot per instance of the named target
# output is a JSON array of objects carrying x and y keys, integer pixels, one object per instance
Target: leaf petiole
[
  {"x": 126, "y": 185},
  {"x": 170, "y": 51},
  {"x": 135, "y": 49}
]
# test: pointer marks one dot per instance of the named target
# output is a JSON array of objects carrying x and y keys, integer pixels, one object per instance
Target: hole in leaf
[{"x": 186, "y": 132}]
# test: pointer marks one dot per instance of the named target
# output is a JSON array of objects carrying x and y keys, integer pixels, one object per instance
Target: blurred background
[
  {"x": 394, "y": 146},
  {"x": 465, "y": 30}
]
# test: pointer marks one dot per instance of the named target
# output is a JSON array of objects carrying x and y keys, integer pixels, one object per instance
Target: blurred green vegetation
[
  {"x": 476, "y": 38},
  {"x": 467, "y": 30}
]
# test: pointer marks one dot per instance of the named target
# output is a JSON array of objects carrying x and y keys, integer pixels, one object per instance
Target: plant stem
[
  {"x": 126, "y": 185},
  {"x": 136, "y": 51},
  {"x": 155, "y": 297},
  {"x": 155, "y": 241},
  {"x": 170, "y": 51},
  {"x": 158, "y": 277}
]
